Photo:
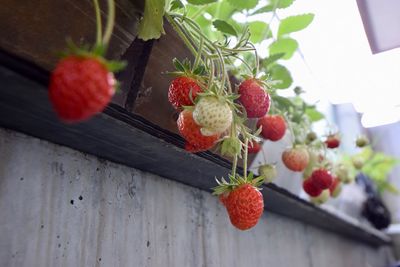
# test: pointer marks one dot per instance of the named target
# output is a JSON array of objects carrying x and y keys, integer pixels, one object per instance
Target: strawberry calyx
[
  {"x": 224, "y": 187},
  {"x": 96, "y": 52}
]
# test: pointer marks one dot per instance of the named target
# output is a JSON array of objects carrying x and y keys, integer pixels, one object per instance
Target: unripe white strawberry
[{"x": 213, "y": 115}]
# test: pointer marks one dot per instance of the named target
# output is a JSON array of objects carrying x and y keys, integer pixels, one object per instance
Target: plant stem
[
  {"x": 181, "y": 34},
  {"x": 98, "y": 22},
  {"x": 110, "y": 22},
  {"x": 198, "y": 56},
  {"x": 246, "y": 142},
  {"x": 234, "y": 166}
]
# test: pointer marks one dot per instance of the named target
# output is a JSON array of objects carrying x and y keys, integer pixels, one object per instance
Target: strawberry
[
  {"x": 332, "y": 141},
  {"x": 195, "y": 141},
  {"x": 179, "y": 91},
  {"x": 321, "y": 178},
  {"x": 296, "y": 159},
  {"x": 321, "y": 198},
  {"x": 213, "y": 114},
  {"x": 310, "y": 188},
  {"x": 268, "y": 171},
  {"x": 336, "y": 187},
  {"x": 245, "y": 206},
  {"x": 254, "y": 98},
  {"x": 253, "y": 147},
  {"x": 273, "y": 127},
  {"x": 80, "y": 87}
]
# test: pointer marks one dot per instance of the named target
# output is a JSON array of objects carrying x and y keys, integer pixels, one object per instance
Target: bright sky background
[{"x": 338, "y": 65}]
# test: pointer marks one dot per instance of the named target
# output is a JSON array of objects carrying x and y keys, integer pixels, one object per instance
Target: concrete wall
[{"x": 60, "y": 207}]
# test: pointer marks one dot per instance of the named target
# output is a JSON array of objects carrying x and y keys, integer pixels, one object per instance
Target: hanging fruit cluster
[{"x": 212, "y": 110}]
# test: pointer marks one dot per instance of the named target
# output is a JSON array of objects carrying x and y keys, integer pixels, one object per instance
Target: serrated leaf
[
  {"x": 284, "y": 45},
  {"x": 259, "y": 31},
  {"x": 281, "y": 74},
  {"x": 224, "y": 27},
  {"x": 294, "y": 23},
  {"x": 221, "y": 10},
  {"x": 243, "y": 4},
  {"x": 201, "y": 2},
  {"x": 176, "y": 4},
  {"x": 272, "y": 59},
  {"x": 264, "y": 9},
  {"x": 314, "y": 114},
  {"x": 281, "y": 3},
  {"x": 151, "y": 25}
]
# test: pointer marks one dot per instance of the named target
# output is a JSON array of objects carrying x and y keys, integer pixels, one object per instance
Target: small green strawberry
[
  {"x": 362, "y": 141},
  {"x": 213, "y": 114}
]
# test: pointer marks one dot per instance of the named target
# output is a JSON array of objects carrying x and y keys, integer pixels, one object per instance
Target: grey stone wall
[{"x": 60, "y": 207}]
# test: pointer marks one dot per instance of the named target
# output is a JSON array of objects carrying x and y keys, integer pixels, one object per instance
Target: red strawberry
[
  {"x": 310, "y": 188},
  {"x": 273, "y": 127},
  {"x": 336, "y": 187},
  {"x": 254, "y": 98},
  {"x": 245, "y": 206},
  {"x": 332, "y": 141},
  {"x": 253, "y": 147},
  {"x": 80, "y": 87},
  {"x": 195, "y": 141},
  {"x": 321, "y": 178},
  {"x": 179, "y": 91},
  {"x": 296, "y": 159}
]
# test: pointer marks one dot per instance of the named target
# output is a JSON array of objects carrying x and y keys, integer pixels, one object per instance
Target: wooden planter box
[{"x": 138, "y": 128}]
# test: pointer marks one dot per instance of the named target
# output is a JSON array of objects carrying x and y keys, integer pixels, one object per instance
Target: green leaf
[
  {"x": 264, "y": 9},
  {"x": 224, "y": 27},
  {"x": 281, "y": 76},
  {"x": 281, "y": 3},
  {"x": 314, "y": 114},
  {"x": 151, "y": 25},
  {"x": 284, "y": 45},
  {"x": 243, "y": 4},
  {"x": 259, "y": 31},
  {"x": 295, "y": 23},
  {"x": 272, "y": 59},
  {"x": 221, "y": 10},
  {"x": 176, "y": 4},
  {"x": 201, "y": 2},
  {"x": 282, "y": 101},
  {"x": 178, "y": 65}
]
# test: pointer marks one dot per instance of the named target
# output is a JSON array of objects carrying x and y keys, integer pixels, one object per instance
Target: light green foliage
[
  {"x": 284, "y": 45},
  {"x": 241, "y": 4},
  {"x": 294, "y": 24},
  {"x": 259, "y": 31},
  {"x": 281, "y": 73},
  {"x": 151, "y": 25},
  {"x": 224, "y": 27}
]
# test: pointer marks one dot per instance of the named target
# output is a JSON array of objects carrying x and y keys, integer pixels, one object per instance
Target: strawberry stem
[
  {"x": 246, "y": 144},
  {"x": 98, "y": 23},
  {"x": 110, "y": 22}
]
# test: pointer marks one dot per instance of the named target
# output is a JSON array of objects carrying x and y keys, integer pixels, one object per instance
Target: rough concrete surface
[{"x": 60, "y": 207}]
